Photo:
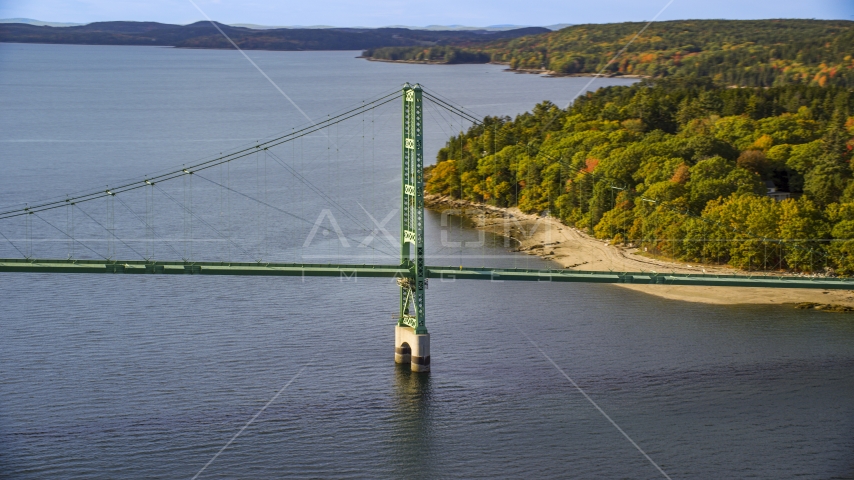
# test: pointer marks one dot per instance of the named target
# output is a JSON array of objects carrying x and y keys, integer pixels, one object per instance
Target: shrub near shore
[{"x": 678, "y": 166}]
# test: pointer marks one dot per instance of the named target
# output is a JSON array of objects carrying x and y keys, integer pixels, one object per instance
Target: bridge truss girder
[{"x": 348, "y": 272}]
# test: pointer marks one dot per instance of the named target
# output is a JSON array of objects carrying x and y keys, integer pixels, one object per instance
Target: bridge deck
[{"x": 443, "y": 274}]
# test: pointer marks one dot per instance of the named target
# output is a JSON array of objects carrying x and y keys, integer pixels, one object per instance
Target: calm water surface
[{"x": 149, "y": 376}]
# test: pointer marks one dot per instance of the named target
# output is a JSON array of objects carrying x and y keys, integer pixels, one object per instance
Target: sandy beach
[{"x": 546, "y": 237}]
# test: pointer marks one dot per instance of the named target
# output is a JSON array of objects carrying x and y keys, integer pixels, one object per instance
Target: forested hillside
[
  {"x": 205, "y": 35},
  {"x": 669, "y": 164},
  {"x": 733, "y": 52}
]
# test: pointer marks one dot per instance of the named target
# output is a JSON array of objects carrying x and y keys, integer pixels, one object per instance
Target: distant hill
[
  {"x": 489, "y": 28},
  {"x": 204, "y": 35},
  {"x": 30, "y": 21},
  {"x": 734, "y": 52},
  {"x": 255, "y": 26}
]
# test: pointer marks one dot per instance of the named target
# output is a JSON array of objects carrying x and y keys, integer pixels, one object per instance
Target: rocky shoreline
[
  {"x": 553, "y": 74},
  {"x": 550, "y": 239}
]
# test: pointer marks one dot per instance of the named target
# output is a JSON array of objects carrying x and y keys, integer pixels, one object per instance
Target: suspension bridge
[{"x": 412, "y": 341}]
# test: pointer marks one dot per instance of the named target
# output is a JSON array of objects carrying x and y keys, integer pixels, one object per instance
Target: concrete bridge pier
[{"x": 412, "y": 348}]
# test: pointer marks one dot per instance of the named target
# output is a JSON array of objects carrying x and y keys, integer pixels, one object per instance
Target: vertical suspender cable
[
  {"x": 516, "y": 194},
  {"x": 460, "y": 220},
  {"x": 29, "y": 228},
  {"x": 111, "y": 228},
  {"x": 228, "y": 208},
  {"x": 483, "y": 219},
  {"x": 190, "y": 191},
  {"x": 149, "y": 217},
  {"x": 147, "y": 234},
  {"x": 266, "y": 243},
  {"x": 68, "y": 228},
  {"x": 329, "y": 163},
  {"x": 222, "y": 195},
  {"x": 290, "y": 189},
  {"x": 219, "y": 194},
  {"x": 111, "y": 205},
  {"x": 494, "y": 178},
  {"x": 258, "y": 219},
  {"x": 363, "y": 151},
  {"x": 13, "y": 244},
  {"x": 72, "y": 229},
  {"x": 338, "y": 178},
  {"x": 301, "y": 158},
  {"x": 153, "y": 217},
  {"x": 373, "y": 145},
  {"x": 106, "y": 221},
  {"x": 184, "y": 215}
]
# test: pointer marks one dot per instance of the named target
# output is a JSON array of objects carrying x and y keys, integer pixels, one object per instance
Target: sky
[{"x": 375, "y": 13}]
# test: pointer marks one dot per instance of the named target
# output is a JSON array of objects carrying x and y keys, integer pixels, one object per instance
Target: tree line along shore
[
  {"x": 731, "y": 52},
  {"x": 734, "y": 150},
  {"x": 572, "y": 248},
  {"x": 754, "y": 178}
]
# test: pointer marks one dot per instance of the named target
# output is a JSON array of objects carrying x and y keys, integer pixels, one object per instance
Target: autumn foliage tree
[{"x": 630, "y": 165}]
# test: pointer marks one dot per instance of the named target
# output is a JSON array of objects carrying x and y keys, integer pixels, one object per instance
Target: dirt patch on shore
[{"x": 548, "y": 238}]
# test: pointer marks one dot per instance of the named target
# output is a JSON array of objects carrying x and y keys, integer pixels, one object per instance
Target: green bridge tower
[{"x": 412, "y": 342}]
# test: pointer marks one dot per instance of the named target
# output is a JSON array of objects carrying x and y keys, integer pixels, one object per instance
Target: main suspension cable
[{"x": 133, "y": 185}]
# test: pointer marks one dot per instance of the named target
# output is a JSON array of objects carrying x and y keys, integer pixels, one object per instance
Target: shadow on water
[{"x": 412, "y": 437}]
